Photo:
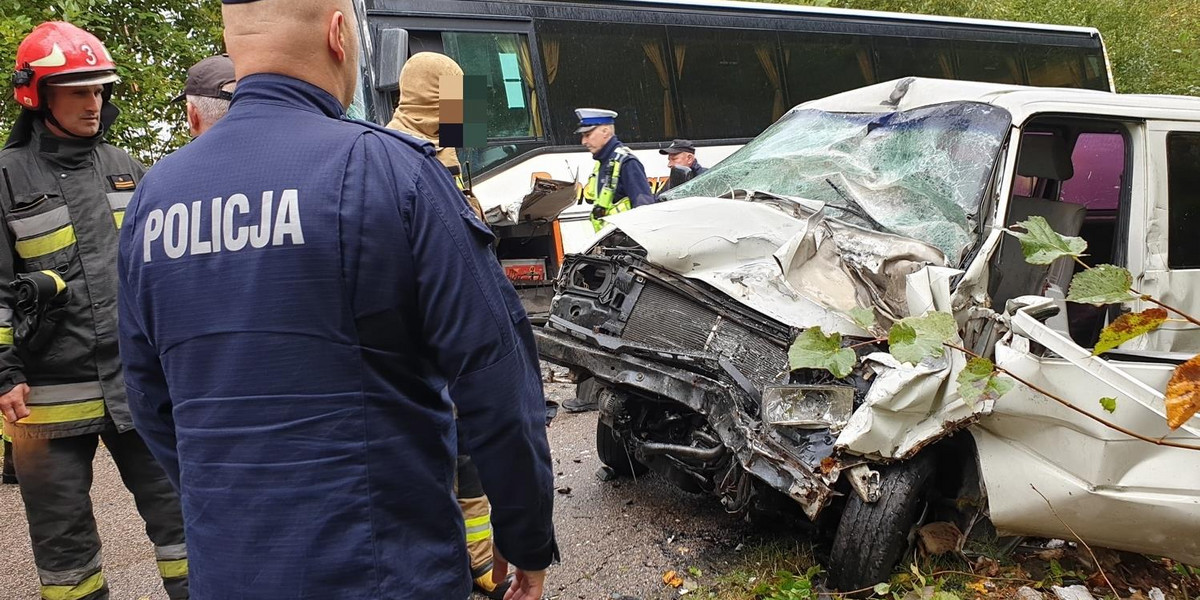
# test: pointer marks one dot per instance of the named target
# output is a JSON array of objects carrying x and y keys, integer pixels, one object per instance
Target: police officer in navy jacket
[{"x": 301, "y": 296}]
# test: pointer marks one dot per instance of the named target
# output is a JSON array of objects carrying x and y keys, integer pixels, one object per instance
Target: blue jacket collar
[
  {"x": 607, "y": 151},
  {"x": 271, "y": 88}
]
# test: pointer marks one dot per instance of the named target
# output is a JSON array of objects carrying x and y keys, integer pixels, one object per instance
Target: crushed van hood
[{"x": 782, "y": 257}]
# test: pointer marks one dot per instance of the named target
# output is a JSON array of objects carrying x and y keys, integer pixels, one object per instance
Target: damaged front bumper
[{"x": 722, "y": 400}]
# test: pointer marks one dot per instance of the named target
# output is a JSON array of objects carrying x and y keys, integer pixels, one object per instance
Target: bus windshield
[{"x": 919, "y": 173}]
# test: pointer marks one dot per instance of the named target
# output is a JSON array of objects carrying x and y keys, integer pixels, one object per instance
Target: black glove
[
  {"x": 598, "y": 212},
  {"x": 39, "y": 303}
]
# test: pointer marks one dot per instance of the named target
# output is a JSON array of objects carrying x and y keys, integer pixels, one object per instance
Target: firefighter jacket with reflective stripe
[
  {"x": 68, "y": 199},
  {"x": 293, "y": 360},
  {"x": 617, "y": 184}
]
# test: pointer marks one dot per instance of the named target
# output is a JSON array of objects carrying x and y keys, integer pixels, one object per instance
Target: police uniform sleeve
[
  {"x": 634, "y": 184},
  {"x": 478, "y": 337},
  {"x": 145, "y": 382}
]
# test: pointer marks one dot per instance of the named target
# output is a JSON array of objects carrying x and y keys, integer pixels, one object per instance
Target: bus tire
[
  {"x": 613, "y": 454},
  {"x": 871, "y": 537}
]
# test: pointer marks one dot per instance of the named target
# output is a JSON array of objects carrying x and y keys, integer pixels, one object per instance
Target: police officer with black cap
[{"x": 681, "y": 159}]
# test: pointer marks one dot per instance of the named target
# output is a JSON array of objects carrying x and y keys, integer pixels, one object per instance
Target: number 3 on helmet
[{"x": 59, "y": 54}]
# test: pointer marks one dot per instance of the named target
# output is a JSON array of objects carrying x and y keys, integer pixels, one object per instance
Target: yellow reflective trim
[
  {"x": 477, "y": 521},
  {"x": 479, "y": 536},
  {"x": 46, "y": 244},
  {"x": 90, "y": 585},
  {"x": 119, "y": 217},
  {"x": 170, "y": 569},
  {"x": 63, "y": 413},
  {"x": 59, "y": 284},
  {"x": 6, "y": 336}
]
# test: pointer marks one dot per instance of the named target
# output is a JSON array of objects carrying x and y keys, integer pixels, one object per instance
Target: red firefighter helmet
[{"x": 59, "y": 53}]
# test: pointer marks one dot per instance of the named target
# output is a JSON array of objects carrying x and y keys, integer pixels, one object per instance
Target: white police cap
[{"x": 589, "y": 118}]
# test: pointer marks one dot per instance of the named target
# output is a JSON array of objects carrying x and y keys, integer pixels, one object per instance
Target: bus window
[
  {"x": 819, "y": 65},
  {"x": 913, "y": 57},
  {"x": 989, "y": 61},
  {"x": 729, "y": 82},
  {"x": 607, "y": 65},
  {"x": 503, "y": 58},
  {"x": 1058, "y": 66}
]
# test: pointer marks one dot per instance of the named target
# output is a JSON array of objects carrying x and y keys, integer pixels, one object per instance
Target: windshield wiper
[{"x": 857, "y": 211}]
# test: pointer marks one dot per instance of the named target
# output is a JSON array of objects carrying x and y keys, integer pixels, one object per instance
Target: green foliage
[
  {"x": 153, "y": 43},
  {"x": 979, "y": 381},
  {"x": 913, "y": 339},
  {"x": 815, "y": 350},
  {"x": 863, "y": 317},
  {"x": 789, "y": 586},
  {"x": 1108, "y": 404},
  {"x": 1103, "y": 284},
  {"x": 1128, "y": 327},
  {"x": 1154, "y": 46},
  {"x": 1041, "y": 245}
]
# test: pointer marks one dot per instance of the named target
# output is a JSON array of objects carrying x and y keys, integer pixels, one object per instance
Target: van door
[{"x": 1171, "y": 245}]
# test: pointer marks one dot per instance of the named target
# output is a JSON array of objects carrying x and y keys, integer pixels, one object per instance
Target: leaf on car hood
[
  {"x": 979, "y": 381},
  {"x": 913, "y": 339},
  {"x": 1041, "y": 245},
  {"x": 815, "y": 350},
  {"x": 1128, "y": 327},
  {"x": 1183, "y": 393},
  {"x": 1103, "y": 284}
]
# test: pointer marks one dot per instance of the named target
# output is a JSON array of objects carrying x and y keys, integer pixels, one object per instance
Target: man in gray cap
[
  {"x": 681, "y": 158},
  {"x": 208, "y": 90}
]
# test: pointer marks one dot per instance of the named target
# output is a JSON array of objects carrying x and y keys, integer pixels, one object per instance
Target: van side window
[
  {"x": 503, "y": 59},
  {"x": 615, "y": 66},
  {"x": 1183, "y": 196},
  {"x": 819, "y": 64}
]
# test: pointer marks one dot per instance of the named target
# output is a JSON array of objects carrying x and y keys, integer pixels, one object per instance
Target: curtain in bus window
[
  {"x": 820, "y": 65},
  {"x": 604, "y": 65},
  {"x": 723, "y": 90},
  {"x": 550, "y": 59},
  {"x": 654, "y": 52},
  {"x": 521, "y": 47},
  {"x": 495, "y": 57},
  {"x": 767, "y": 60},
  {"x": 1054, "y": 66},
  {"x": 989, "y": 62}
]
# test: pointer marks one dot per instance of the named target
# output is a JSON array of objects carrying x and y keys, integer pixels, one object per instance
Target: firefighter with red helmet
[{"x": 63, "y": 192}]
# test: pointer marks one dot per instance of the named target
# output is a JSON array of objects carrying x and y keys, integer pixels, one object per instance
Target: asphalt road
[{"x": 617, "y": 538}]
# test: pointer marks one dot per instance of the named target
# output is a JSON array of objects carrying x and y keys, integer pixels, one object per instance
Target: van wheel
[
  {"x": 612, "y": 452},
  {"x": 871, "y": 537}
]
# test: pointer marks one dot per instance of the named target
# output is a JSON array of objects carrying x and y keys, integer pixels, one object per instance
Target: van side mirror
[{"x": 393, "y": 52}]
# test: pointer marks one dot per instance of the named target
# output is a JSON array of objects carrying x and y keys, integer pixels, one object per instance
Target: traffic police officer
[
  {"x": 304, "y": 301},
  {"x": 618, "y": 182},
  {"x": 63, "y": 199}
]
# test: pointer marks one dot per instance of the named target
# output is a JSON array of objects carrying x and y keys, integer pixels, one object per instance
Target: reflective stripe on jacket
[
  {"x": 604, "y": 198},
  {"x": 68, "y": 201}
]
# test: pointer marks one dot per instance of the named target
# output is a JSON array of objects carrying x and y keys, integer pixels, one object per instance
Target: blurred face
[
  {"x": 76, "y": 108},
  {"x": 681, "y": 159},
  {"x": 595, "y": 139}
]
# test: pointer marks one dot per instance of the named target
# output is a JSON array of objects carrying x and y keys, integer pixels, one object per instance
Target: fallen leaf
[
  {"x": 1109, "y": 404},
  {"x": 941, "y": 537},
  {"x": 1128, "y": 327},
  {"x": 828, "y": 464},
  {"x": 1100, "y": 285},
  {"x": 979, "y": 381},
  {"x": 912, "y": 339},
  {"x": 864, "y": 317},
  {"x": 672, "y": 579},
  {"x": 1183, "y": 393},
  {"x": 1041, "y": 245},
  {"x": 977, "y": 587}
]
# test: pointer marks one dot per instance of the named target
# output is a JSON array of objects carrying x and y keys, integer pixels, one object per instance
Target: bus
[{"x": 715, "y": 72}]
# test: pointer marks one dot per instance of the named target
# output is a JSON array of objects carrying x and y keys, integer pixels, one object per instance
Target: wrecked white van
[{"x": 895, "y": 198}]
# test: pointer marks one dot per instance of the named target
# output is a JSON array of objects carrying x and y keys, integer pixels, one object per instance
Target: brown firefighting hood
[{"x": 417, "y": 112}]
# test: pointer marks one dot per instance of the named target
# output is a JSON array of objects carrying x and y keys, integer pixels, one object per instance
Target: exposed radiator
[{"x": 668, "y": 319}]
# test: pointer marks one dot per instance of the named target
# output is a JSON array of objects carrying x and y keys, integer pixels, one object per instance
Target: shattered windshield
[{"x": 919, "y": 173}]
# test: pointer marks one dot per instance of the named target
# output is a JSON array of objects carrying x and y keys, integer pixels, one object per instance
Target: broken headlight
[{"x": 807, "y": 406}]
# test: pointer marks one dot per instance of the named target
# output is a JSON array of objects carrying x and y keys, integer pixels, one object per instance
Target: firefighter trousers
[
  {"x": 477, "y": 516},
  {"x": 56, "y": 481}
]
